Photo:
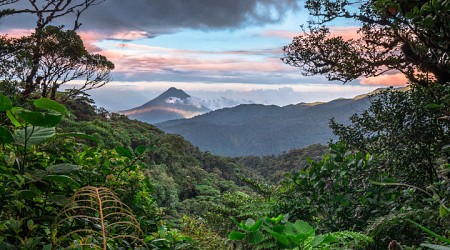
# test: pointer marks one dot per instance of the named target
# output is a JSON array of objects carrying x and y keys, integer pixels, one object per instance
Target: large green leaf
[
  {"x": 255, "y": 237},
  {"x": 5, "y": 103},
  {"x": 236, "y": 235},
  {"x": 124, "y": 152},
  {"x": 252, "y": 225},
  {"x": 299, "y": 228},
  {"x": 12, "y": 115},
  {"x": 5, "y": 136},
  {"x": 435, "y": 247},
  {"x": 425, "y": 229},
  {"x": 49, "y": 104},
  {"x": 35, "y": 135},
  {"x": 39, "y": 118},
  {"x": 63, "y": 168},
  {"x": 280, "y": 237},
  {"x": 63, "y": 180},
  {"x": 317, "y": 240}
]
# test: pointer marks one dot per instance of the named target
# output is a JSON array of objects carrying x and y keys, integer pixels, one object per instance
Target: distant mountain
[
  {"x": 172, "y": 104},
  {"x": 254, "y": 129}
]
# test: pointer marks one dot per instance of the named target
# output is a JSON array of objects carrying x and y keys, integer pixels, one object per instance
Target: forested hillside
[
  {"x": 255, "y": 129},
  {"x": 73, "y": 176}
]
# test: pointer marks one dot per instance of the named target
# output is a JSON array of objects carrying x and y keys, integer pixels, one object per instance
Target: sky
[{"x": 223, "y": 52}]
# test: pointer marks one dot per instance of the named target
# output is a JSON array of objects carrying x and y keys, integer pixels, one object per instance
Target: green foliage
[
  {"x": 328, "y": 192},
  {"x": 39, "y": 172},
  {"x": 407, "y": 136},
  {"x": 168, "y": 239},
  {"x": 274, "y": 167},
  {"x": 203, "y": 236},
  {"x": 299, "y": 234},
  {"x": 49, "y": 58}
]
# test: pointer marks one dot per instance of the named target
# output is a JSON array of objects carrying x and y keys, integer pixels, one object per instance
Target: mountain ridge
[
  {"x": 257, "y": 129},
  {"x": 171, "y": 104}
]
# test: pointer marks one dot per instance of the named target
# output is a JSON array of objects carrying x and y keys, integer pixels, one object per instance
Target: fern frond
[
  {"x": 349, "y": 236},
  {"x": 95, "y": 218}
]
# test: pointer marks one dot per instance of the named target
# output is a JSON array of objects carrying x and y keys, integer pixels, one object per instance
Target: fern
[
  {"x": 348, "y": 238},
  {"x": 97, "y": 219}
]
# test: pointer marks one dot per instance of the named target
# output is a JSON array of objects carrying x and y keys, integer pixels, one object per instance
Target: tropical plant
[
  {"x": 335, "y": 193},
  {"x": 97, "y": 219},
  {"x": 295, "y": 235}
]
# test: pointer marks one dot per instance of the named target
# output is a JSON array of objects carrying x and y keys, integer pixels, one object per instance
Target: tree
[
  {"x": 408, "y": 36},
  {"x": 45, "y": 60},
  {"x": 407, "y": 133},
  {"x": 47, "y": 11},
  {"x": 63, "y": 58}
]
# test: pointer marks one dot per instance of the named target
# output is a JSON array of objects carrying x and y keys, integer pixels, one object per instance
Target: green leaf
[
  {"x": 63, "y": 180},
  {"x": 317, "y": 240},
  {"x": 63, "y": 168},
  {"x": 26, "y": 194},
  {"x": 283, "y": 239},
  {"x": 5, "y": 103},
  {"x": 49, "y": 104},
  {"x": 275, "y": 220},
  {"x": 47, "y": 247},
  {"x": 255, "y": 237},
  {"x": 252, "y": 225},
  {"x": 236, "y": 235},
  {"x": 124, "y": 152},
  {"x": 299, "y": 228},
  {"x": 329, "y": 238},
  {"x": 5, "y": 136},
  {"x": 439, "y": 237},
  {"x": 443, "y": 211},
  {"x": 140, "y": 149},
  {"x": 78, "y": 135},
  {"x": 435, "y": 247},
  {"x": 39, "y": 118},
  {"x": 12, "y": 115},
  {"x": 434, "y": 106},
  {"x": 35, "y": 135}
]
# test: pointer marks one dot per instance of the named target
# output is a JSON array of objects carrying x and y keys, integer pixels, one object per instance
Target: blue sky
[{"x": 218, "y": 51}]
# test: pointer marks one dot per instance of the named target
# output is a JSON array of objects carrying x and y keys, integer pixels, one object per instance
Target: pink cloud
[
  {"x": 148, "y": 62},
  {"x": 129, "y": 35},
  {"x": 91, "y": 37},
  {"x": 17, "y": 33},
  {"x": 397, "y": 79},
  {"x": 345, "y": 32}
]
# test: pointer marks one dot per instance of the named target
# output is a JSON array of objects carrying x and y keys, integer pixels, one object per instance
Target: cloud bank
[{"x": 165, "y": 16}]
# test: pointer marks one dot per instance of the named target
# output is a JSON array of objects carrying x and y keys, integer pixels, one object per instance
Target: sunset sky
[{"x": 224, "y": 52}]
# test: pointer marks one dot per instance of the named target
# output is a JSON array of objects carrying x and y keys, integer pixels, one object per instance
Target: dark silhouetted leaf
[
  {"x": 5, "y": 136},
  {"x": 63, "y": 168}
]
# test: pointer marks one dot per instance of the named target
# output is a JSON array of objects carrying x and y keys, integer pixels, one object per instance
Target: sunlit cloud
[
  {"x": 350, "y": 32},
  {"x": 17, "y": 33},
  {"x": 397, "y": 79}
]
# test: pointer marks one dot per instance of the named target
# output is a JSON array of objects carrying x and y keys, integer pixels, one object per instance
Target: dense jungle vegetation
[{"x": 78, "y": 177}]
